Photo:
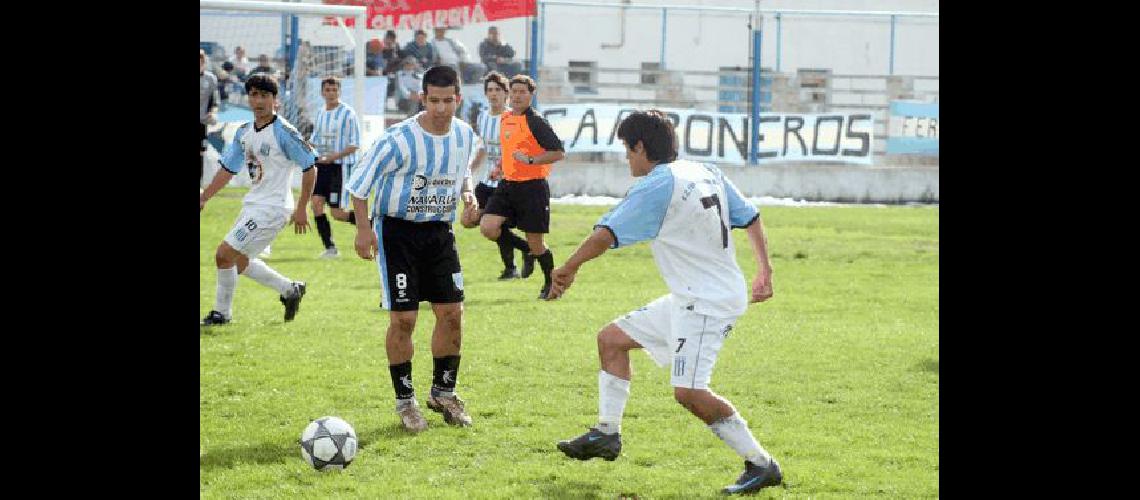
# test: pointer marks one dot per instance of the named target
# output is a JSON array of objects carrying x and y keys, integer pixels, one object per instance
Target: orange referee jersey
[{"x": 530, "y": 134}]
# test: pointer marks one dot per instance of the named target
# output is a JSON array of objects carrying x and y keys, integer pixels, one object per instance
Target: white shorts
[
  {"x": 255, "y": 229},
  {"x": 672, "y": 333}
]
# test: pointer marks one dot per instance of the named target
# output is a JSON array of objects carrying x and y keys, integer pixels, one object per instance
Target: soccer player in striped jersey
[
  {"x": 491, "y": 156},
  {"x": 336, "y": 134},
  {"x": 414, "y": 172},
  {"x": 268, "y": 148},
  {"x": 686, "y": 209}
]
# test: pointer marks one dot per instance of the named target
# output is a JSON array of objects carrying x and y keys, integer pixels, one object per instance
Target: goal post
[{"x": 254, "y": 24}]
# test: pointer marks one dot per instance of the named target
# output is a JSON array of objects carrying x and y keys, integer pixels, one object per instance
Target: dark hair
[
  {"x": 389, "y": 34},
  {"x": 441, "y": 76},
  {"x": 261, "y": 81},
  {"x": 496, "y": 78},
  {"x": 421, "y": 32},
  {"x": 524, "y": 79},
  {"x": 330, "y": 80},
  {"x": 654, "y": 130}
]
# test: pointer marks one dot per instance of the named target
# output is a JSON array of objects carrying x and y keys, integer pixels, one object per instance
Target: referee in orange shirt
[{"x": 530, "y": 146}]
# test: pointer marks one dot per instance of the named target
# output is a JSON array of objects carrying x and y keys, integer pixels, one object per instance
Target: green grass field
[{"x": 837, "y": 374}]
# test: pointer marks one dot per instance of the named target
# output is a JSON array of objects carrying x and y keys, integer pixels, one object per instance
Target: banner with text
[
  {"x": 428, "y": 14},
  {"x": 724, "y": 137},
  {"x": 913, "y": 128}
]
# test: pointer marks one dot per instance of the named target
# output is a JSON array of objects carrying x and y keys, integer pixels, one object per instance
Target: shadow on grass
[
  {"x": 930, "y": 365},
  {"x": 555, "y": 488},
  {"x": 385, "y": 433},
  {"x": 264, "y": 453}
]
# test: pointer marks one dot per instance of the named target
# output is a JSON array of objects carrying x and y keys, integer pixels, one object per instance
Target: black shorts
[
  {"x": 483, "y": 194},
  {"x": 418, "y": 261},
  {"x": 330, "y": 181},
  {"x": 202, "y": 141},
  {"x": 527, "y": 203}
]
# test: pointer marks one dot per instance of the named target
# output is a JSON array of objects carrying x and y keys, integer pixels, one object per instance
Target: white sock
[
  {"x": 258, "y": 271},
  {"x": 227, "y": 282},
  {"x": 733, "y": 430},
  {"x": 613, "y": 392}
]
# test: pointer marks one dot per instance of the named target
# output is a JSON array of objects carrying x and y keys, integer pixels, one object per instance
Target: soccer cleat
[
  {"x": 329, "y": 253},
  {"x": 410, "y": 415},
  {"x": 754, "y": 478},
  {"x": 592, "y": 444},
  {"x": 542, "y": 294},
  {"x": 528, "y": 265},
  {"x": 452, "y": 409},
  {"x": 214, "y": 318},
  {"x": 509, "y": 273},
  {"x": 293, "y": 301}
]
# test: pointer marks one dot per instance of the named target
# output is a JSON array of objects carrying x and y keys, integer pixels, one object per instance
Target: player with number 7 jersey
[{"x": 686, "y": 209}]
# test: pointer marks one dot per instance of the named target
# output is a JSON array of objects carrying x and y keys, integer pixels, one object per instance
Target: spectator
[
  {"x": 451, "y": 52},
  {"x": 498, "y": 56},
  {"x": 264, "y": 67},
  {"x": 373, "y": 58},
  {"x": 409, "y": 87},
  {"x": 421, "y": 50},
  {"x": 391, "y": 53},
  {"x": 207, "y": 108},
  {"x": 240, "y": 64}
]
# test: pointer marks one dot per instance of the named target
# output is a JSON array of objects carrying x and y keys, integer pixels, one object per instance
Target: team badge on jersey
[
  {"x": 419, "y": 182},
  {"x": 264, "y": 150}
]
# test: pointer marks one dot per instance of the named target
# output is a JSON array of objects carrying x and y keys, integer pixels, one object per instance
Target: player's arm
[
  {"x": 231, "y": 162},
  {"x": 593, "y": 247},
  {"x": 762, "y": 284},
  {"x": 742, "y": 214},
  {"x": 365, "y": 176},
  {"x": 301, "y": 213},
  {"x": 353, "y": 140}
]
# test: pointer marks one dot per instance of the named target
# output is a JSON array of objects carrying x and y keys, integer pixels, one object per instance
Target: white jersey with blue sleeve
[
  {"x": 487, "y": 126},
  {"x": 334, "y": 130},
  {"x": 268, "y": 154},
  {"x": 687, "y": 208},
  {"x": 414, "y": 175}
]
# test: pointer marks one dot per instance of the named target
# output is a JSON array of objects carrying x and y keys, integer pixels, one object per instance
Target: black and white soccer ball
[{"x": 328, "y": 443}]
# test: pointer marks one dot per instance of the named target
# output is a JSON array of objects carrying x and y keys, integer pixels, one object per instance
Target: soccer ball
[{"x": 328, "y": 443}]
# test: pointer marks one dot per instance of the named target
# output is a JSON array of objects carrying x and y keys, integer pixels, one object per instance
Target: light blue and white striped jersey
[
  {"x": 336, "y": 129},
  {"x": 415, "y": 175},
  {"x": 487, "y": 126},
  {"x": 687, "y": 208},
  {"x": 268, "y": 155}
]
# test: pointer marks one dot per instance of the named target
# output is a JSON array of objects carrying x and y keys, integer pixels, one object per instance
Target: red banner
[{"x": 427, "y": 14}]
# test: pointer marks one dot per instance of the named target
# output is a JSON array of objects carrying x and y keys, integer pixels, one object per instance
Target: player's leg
[
  {"x": 400, "y": 283},
  {"x": 225, "y": 260},
  {"x": 497, "y": 211},
  {"x": 254, "y": 229},
  {"x": 321, "y": 195},
  {"x": 699, "y": 339},
  {"x": 442, "y": 285},
  {"x": 647, "y": 328}
]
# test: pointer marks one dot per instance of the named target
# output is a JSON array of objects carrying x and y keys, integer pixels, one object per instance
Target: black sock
[
  {"x": 402, "y": 380},
  {"x": 506, "y": 249},
  {"x": 325, "y": 230},
  {"x": 517, "y": 241},
  {"x": 546, "y": 260},
  {"x": 445, "y": 373},
  {"x": 351, "y": 217}
]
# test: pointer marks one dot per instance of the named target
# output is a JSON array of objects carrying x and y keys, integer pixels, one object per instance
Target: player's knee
[
  {"x": 224, "y": 257},
  {"x": 489, "y": 229},
  {"x": 451, "y": 319},
  {"x": 612, "y": 339},
  {"x": 689, "y": 398},
  {"x": 402, "y": 326}
]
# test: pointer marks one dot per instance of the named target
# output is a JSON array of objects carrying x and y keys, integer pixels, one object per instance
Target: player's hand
[
  {"x": 366, "y": 244},
  {"x": 211, "y": 118},
  {"x": 562, "y": 277},
  {"x": 555, "y": 292},
  {"x": 470, "y": 217},
  {"x": 520, "y": 156},
  {"x": 762, "y": 286},
  {"x": 300, "y": 221}
]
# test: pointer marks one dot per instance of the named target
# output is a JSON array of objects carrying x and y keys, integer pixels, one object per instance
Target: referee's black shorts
[{"x": 527, "y": 203}]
